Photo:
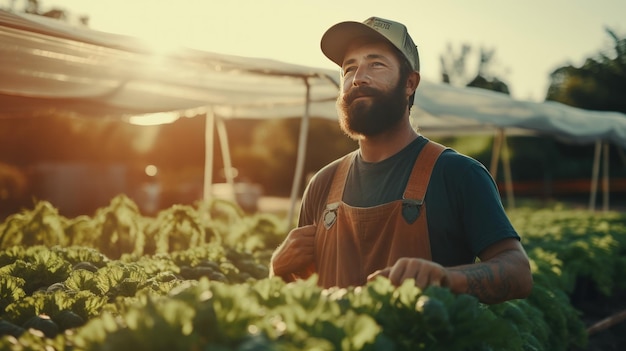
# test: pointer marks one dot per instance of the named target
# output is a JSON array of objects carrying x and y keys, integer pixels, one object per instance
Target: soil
[{"x": 596, "y": 308}]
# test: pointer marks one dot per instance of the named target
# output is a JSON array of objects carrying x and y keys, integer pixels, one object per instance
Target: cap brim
[{"x": 335, "y": 41}]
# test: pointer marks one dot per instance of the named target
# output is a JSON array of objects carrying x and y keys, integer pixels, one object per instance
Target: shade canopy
[
  {"x": 46, "y": 64},
  {"x": 474, "y": 109}
]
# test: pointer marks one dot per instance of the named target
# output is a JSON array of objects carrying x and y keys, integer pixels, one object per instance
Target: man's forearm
[{"x": 502, "y": 278}]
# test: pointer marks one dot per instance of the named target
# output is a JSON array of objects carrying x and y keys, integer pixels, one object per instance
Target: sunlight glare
[
  {"x": 152, "y": 119},
  {"x": 162, "y": 44},
  {"x": 151, "y": 170}
]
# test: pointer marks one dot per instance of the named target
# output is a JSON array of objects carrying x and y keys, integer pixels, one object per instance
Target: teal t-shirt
[{"x": 464, "y": 210}]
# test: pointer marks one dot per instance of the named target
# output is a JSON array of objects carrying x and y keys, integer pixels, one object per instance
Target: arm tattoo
[{"x": 489, "y": 281}]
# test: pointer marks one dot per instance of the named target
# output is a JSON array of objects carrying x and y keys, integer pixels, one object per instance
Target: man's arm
[
  {"x": 294, "y": 257},
  {"x": 502, "y": 274}
]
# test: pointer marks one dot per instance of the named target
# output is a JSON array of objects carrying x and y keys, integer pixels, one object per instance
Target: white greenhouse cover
[{"x": 47, "y": 65}]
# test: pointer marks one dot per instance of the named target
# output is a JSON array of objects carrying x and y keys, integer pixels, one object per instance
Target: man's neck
[{"x": 385, "y": 145}]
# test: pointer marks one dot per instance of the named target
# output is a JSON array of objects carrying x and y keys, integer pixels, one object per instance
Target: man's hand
[
  {"x": 296, "y": 253},
  {"x": 502, "y": 274},
  {"x": 423, "y": 271}
]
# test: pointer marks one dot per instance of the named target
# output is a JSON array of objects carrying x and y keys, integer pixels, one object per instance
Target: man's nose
[{"x": 361, "y": 76}]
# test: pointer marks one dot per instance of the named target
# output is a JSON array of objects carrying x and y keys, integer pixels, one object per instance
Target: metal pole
[
  {"x": 495, "y": 153},
  {"x": 208, "y": 154},
  {"x": 228, "y": 164},
  {"x": 594, "y": 176},
  {"x": 605, "y": 178},
  {"x": 508, "y": 178},
  {"x": 302, "y": 141}
]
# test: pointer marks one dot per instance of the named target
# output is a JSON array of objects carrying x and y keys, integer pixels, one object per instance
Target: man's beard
[{"x": 374, "y": 117}]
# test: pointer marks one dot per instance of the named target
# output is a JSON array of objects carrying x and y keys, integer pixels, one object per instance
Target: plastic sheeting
[
  {"x": 48, "y": 65},
  {"x": 475, "y": 109},
  {"x": 45, "y": 64}
]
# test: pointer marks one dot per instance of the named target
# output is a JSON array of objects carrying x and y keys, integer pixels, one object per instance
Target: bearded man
[{"x": 400, "y": 206}]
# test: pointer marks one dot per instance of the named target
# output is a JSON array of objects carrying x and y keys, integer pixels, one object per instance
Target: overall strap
[
  {"x": 422, "y": 170},
  {"x": 335, "y": 193}
]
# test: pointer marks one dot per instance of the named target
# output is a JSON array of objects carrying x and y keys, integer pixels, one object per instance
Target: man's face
[{"x": 374, "y": 97}]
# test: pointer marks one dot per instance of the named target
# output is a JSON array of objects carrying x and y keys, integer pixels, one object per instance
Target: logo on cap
[{"x": 338, "y": 37}]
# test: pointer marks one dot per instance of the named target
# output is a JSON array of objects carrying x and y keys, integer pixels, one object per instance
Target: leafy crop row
[
  {"x": 188, "y": 281},
  {"x": 120, "y": 230},
  {"x": 582, "y": 247}
]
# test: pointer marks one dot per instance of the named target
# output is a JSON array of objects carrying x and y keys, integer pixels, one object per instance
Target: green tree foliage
[
  {"x": 268, "y": 153},
  {"x": 50, "y": 137},
  {"x": 455, "y": 71},
  {"x": 494, "y": 84},
  {"x": 35, "y": 7},
  {"x": 599, "y": 84}
]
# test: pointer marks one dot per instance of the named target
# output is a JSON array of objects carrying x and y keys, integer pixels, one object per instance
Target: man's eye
[{"x": 348, "y": 69}]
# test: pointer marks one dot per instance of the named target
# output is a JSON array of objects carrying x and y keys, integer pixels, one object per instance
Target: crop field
[{"x": 196, "y": 278}]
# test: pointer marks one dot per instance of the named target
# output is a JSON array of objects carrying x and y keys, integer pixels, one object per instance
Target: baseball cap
[{"x": 337, "y": 38}]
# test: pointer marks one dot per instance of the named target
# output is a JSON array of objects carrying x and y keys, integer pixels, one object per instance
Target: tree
[
  {"x": 454, "y": 66},
  {"x": 599, "y": 84},
  {"x": 454, "y": 69},
  {"x": 34, "y": 7},
  {"x": 270, "y": 153}
]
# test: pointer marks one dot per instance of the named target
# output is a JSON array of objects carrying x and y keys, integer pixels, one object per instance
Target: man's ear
[{"x": 412, "y": 82}]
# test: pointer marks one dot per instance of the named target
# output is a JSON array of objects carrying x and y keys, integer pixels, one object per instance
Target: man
[{"x": 400, "y": 206}]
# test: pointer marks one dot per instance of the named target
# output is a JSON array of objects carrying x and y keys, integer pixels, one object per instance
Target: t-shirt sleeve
[
  {"x": 482, "y": 215},
  {"x": 315, "y": 194},
  {"x": 307, "y": 210}
]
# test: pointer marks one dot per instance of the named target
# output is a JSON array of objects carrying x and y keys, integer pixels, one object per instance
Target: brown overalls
[{"x": 353, "y": 242}]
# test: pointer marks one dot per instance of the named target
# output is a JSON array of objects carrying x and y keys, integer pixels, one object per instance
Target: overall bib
[{"x": 353, "y": 242}]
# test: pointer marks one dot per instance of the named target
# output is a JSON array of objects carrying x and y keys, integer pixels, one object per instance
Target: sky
[{"x": 531, "y": 38}]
